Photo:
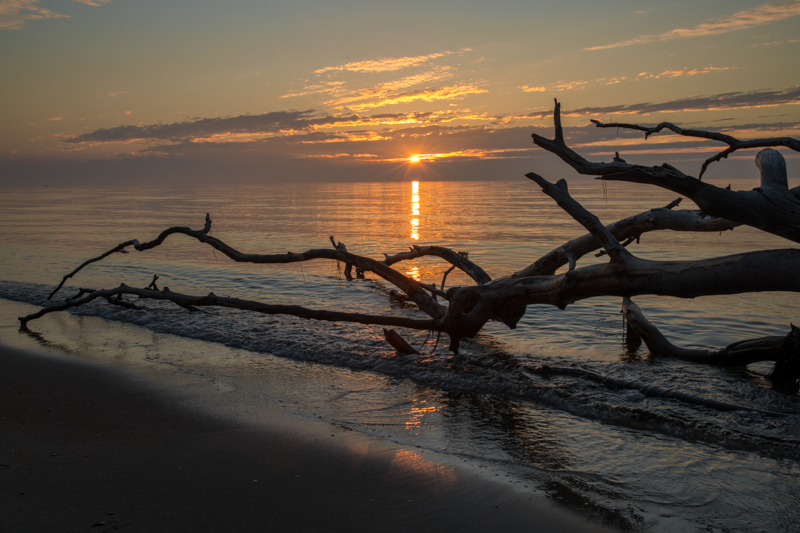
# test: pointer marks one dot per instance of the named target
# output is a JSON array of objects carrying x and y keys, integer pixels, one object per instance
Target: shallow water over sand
[{"x": 614, "y": 453}]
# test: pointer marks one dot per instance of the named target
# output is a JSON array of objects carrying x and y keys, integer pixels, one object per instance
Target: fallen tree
[{"x": 772, "y": 207}]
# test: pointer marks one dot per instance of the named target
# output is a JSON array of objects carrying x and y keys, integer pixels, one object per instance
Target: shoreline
[{"x": 96, "y": 447}]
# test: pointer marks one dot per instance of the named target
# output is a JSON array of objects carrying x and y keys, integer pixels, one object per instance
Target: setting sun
[{"x": 414, "y": 159}]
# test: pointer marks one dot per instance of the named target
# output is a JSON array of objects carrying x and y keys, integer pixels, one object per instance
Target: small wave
[{"x": 485, "y": 366}]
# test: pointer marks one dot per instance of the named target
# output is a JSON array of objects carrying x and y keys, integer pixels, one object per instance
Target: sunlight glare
[
  {"x": 415, "y": 210},
  {"x": 414, "y": 159}
]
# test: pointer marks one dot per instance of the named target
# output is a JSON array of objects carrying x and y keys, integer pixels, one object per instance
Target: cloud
[
  {"x": 568, "y": 86},
  {"x": 527, "y": 89},
  {"x": 382, "y": 90},
  {"x": 390, "y": 89},
  {"x": 452, "y": 92},
  {"x": 387, "y": 64},
  {"x": 775, "y": 43},
  {"x": 305, "y": 125},
  {"x": 55, "y": 119},
  {"x": 328, "y": 87},
  {"x": 735, "y": 100},
  {"x": 14, "y": 13},
  {"x": 741, "y": 20},
  {"x": 211, "y": 128},
  {"x": 693, "y": 72}
]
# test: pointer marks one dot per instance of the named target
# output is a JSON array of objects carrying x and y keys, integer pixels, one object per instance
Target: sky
[{"x": 179, "y": 91}]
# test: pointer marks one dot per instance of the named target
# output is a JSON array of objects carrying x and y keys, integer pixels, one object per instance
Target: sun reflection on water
[
  {"x": 418, "y": 411},
  {"x": 415, "y": 210}
]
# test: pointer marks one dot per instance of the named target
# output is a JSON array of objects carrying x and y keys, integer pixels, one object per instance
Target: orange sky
[{"x": 107, "y": 89}]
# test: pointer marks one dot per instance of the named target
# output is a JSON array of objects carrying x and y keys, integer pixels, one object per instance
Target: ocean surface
[{"x": 611, "y": 452}]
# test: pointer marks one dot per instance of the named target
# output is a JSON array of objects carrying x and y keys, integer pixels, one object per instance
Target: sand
[{"x": 86, "y": 447}]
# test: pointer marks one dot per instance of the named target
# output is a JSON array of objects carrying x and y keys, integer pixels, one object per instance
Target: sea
[{"x": 612, "y": 450}]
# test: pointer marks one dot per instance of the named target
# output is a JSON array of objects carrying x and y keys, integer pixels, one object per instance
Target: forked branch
[
  {"x": 772, "y": 207},
  {"x": 412, "y": 288},
  {"x": 732, "y": 142}
]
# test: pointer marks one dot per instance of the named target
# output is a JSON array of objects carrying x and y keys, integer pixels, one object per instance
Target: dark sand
[{"x": 85, "y": 447}]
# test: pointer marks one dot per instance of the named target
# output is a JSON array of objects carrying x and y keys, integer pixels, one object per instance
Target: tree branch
[
  {"x": 771, "y": 207},
  {"x": 188, "y": 301},
  {"x": 411, "y": 287},
  {"x": 783, "y": 350},
  {"x": 633, "y": 227},
  {"x": 732, "y": 142},
  {"x": 560, "y": 194},
  {"x": 457, "y": 259}
]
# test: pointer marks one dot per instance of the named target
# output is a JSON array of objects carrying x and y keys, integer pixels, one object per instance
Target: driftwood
[
  {"x": 466, "y": 309},
  {"x": 772, "y": 207},
  {"x": 785, "y": 351},
  {"x": 732, "y": 142}
]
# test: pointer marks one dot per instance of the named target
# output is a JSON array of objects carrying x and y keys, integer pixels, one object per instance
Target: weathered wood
[
  {"x": 784, "y": 351},
  {"x": 628, "y": 229},
  {"x": 626, "y": 275},
  {"x": 458, "y": 259},
  {"x": 398, "y": 342},
  {"x": 771, "y": 208},
  {"x": 732, "y": 142},
  {"x": 411, "y": 287},
  {"x": 212, "y": 300}
]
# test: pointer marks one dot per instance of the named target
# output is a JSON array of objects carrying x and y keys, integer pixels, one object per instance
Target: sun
[{"x": 413, "y": 159}]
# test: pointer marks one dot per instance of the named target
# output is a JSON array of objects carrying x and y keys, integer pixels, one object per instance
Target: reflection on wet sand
[{"x": 440, "y": 478}]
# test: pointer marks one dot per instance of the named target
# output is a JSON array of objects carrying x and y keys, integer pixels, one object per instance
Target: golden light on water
[
  {"x": 415, "y": 210},
  {"x": 420, "y": 410}
]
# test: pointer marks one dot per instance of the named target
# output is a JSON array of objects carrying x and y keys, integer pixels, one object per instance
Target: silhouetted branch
[
  {"x": 785, "y": 351},
  {"x": 457, "y": 259},
  {"x": 188, "y": 301},
  {"x": 772, "y": 207},
  {"x": 732, "y": 142}
]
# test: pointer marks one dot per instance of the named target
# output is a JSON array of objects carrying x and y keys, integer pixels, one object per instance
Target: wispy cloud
[
  {"x": 748, "y": 18},
  {"x": 210, "y": 128},
  {"x": 250, "y": 127},
  {"x": 343, "y": 95},
  {"x": 453, "y": 92},
  {"x": 693, "y": 72},
  {"x": 14, "y": 13},
  {"x": 387, "y": 64},
  {"x": 569, "y": 85},
  {"x": 327, "y": 87},
  {"x": 528, "y": 89},
  {"x": 390, "y": 89},
  {"x": 735, "y": 100},
  {"x": 775, "y": 43}
]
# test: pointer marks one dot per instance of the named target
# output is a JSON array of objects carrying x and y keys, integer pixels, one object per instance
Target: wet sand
[{"x": 85, "y": 447}]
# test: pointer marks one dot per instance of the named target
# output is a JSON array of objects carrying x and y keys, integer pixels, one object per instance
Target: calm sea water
[{"x": 613, "y": 453}]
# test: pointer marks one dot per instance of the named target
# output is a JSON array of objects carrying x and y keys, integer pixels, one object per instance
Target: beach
[{"x": 87, "y": 447}]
